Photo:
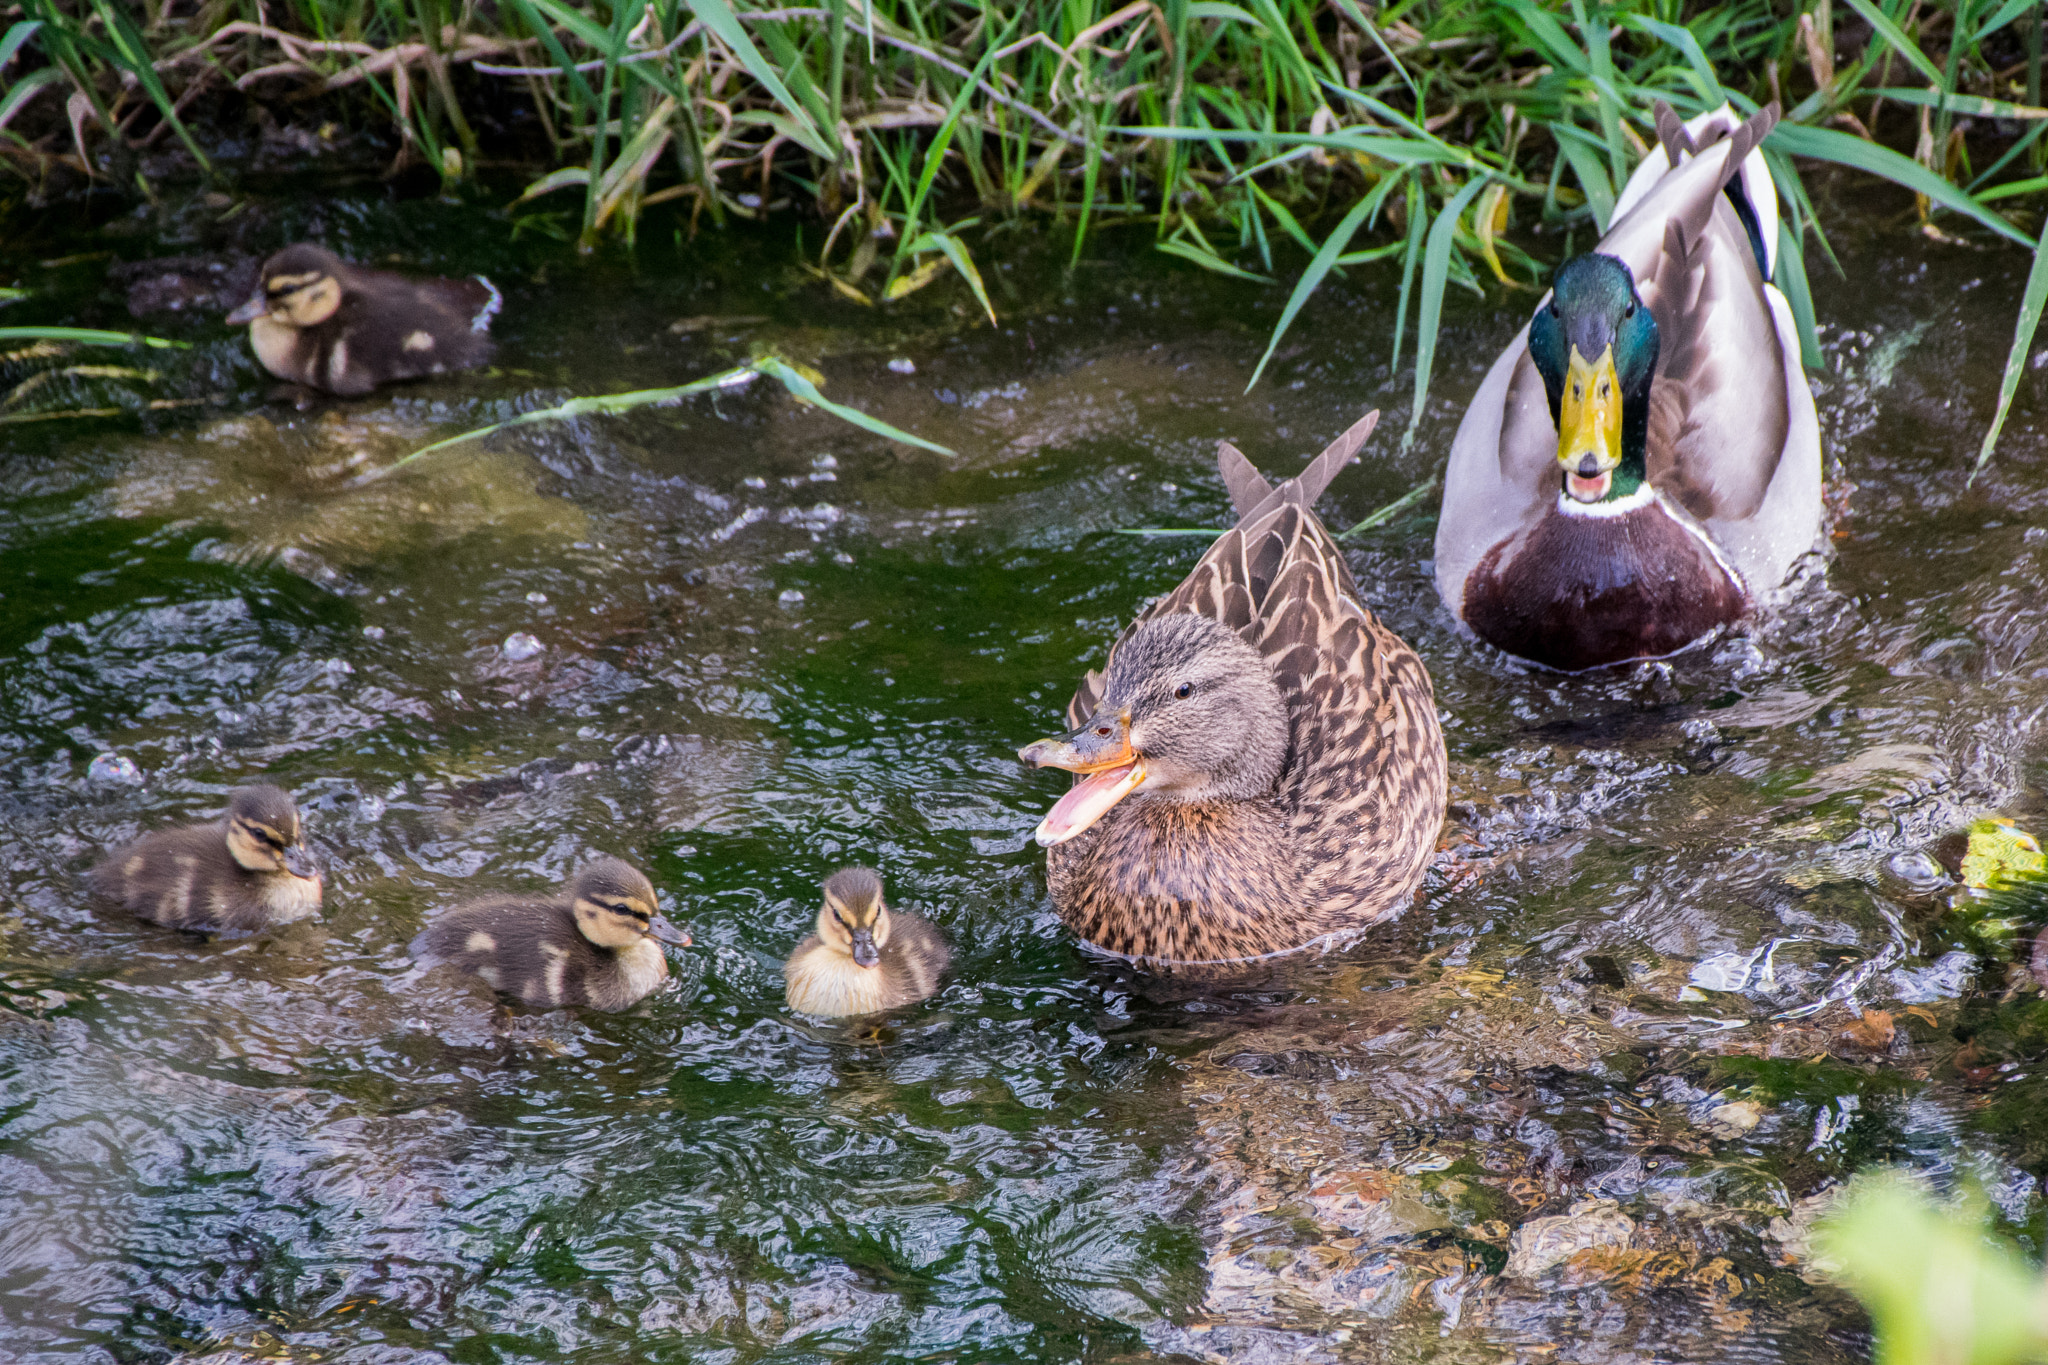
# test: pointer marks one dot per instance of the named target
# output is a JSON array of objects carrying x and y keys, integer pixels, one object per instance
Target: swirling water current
[{"x": 770, "y": 645}]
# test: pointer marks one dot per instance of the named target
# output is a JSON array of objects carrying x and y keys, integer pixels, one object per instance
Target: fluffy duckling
[
  {"x": 594, "y": 945},
  {"x": 242, "y": 872},
  {"x": 317, "y": 320},
  {"x": 864, "y": 957}
]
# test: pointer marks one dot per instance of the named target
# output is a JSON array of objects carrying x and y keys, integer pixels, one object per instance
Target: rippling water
[{"x": 773, "y": 645}]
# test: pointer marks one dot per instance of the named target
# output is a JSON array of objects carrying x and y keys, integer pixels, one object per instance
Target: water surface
[{"x": 1496, "y": 1129}]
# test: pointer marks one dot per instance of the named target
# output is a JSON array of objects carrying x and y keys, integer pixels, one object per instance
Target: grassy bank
[{"x": 1422, "y": 131}]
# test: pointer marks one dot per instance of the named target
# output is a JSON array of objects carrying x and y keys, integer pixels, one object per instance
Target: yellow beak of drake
[
  {"x": 1102, "y": 750},
  {"x": 1589, "y": 426}
]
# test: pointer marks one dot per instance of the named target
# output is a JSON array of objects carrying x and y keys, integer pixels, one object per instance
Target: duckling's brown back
[
  {"x": 530, "y": 947},
  {"x": 186, "y": 879},
  {"x": 914, "y": 959}
]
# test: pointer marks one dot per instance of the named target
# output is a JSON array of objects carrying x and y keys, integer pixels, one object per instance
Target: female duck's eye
[{"x": 1184, "y": 691}]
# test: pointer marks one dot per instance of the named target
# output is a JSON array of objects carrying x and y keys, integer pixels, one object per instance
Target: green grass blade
[
  {"x": 1326, "y": 257},
  {"x": 133, "y": 55},
  {"x": 2013, "y": 10},
  {"x": 1411, "y": 256},
  {"x": 1889, "y": 32},
  {"x": 1973, "y": 105},
  {"x": 956, "y": 251},
  {"x": 1208, "y": 260},
  {"x": 1436, "y": 264},
  {"x": 2031, "y": 303},
  {"x": 596, "y": 405},
  {"x": 90, "y": 336},
  {"x": 936, "y": 154},
  {"x": 717, "y": 16},
  {"x": 799, "y": 385},
  {"x": 17, "y": 34},
  {"x": 1825, "y": 144},
  {"x": 1583, "y": 154},
  {"x": 1791, "y": 281},
  {"x": 1393, "y": 509},
  {"x": 804, "y": 391}
]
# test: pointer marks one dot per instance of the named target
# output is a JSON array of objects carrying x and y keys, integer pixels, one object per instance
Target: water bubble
[
  {"x": 373, "y": 632},
  {"x": 754, "y": 481},
  {"x": 112, "y": 768},
  {"x": 519, "y": 646},
  {"x": 903, "y": 365},
  {"x": 789, "y": 597},
  {"x": 539, "y": 599}
]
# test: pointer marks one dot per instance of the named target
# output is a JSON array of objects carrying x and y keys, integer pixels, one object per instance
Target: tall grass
[{"x": 1424, "y": 128}]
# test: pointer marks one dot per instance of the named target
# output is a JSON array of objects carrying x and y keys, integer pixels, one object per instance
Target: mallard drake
[
  {"x": 247, "y": 870},
  {"x": 865, "y": 957},
  {"x": 1262, "y": 764},
  {"x": 595, "y": 944},
  {"x": 1642, "y": 464},
  {"x": 317, "y": 320}
]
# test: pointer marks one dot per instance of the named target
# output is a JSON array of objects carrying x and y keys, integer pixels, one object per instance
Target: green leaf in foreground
[
  {"x": 1940, "y": 1289},
  {"x": 90, "y": 336},
  {"x": 801, "y": 387},
  {"x": 2031, "y": 303}
]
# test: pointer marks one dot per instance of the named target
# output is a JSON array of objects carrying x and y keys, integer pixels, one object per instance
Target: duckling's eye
[{"x": 1184, "y": 691}]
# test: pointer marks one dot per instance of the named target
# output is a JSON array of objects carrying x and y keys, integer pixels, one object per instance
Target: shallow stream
[{"x": 772, "y": 645}]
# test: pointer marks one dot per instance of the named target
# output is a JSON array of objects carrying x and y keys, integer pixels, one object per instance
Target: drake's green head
[{"x": 1595, "y": 344}]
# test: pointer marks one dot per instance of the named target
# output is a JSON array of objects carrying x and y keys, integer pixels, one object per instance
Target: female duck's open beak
[{"x": 1101, "y": 748}]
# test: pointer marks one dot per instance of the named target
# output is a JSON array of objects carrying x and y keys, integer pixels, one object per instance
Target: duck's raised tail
[{"x": 1251, "y": 493}]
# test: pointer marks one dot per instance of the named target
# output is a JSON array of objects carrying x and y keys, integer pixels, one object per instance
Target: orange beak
[{"x": 1100, "y": 749}]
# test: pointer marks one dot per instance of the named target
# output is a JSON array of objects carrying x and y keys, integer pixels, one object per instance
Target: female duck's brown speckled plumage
[
  {"x": 243, "y": 872},
  {"x": 1265, "y": 767},
  {"x": 865, "y": 957},
  {"x": 595, "y": 944},
  {"x": 344, "y": 329}
]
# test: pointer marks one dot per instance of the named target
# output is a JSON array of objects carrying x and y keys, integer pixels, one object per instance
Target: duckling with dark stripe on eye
[
  {"x": 865, "y": 957},
  {"x": 243, "y": 872},
  {"x": 595, "y": 944},
  {"x": 317, "y": 320}
]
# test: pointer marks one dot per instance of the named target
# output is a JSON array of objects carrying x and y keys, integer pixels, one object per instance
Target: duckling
[
  {"x": 592, "y": 945},
  {"x": 243, "y": 872},
  {"x": 865, "y": 957},
  {"x": 317, "y": 320}
]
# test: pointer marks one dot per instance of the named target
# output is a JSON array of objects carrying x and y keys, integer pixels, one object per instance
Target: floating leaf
[{"x": 2000, "y": 852}]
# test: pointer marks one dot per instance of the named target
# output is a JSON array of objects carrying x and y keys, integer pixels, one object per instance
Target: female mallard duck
[
  {"x": 594, "y": 945},
  {"x": 1263, "y": 764},
  {"x": 242, "y": 872},
  {"x": 1642, "y": 464},
  {"x": 319, "y": 321},
  {"x": 865, "y": 957}
]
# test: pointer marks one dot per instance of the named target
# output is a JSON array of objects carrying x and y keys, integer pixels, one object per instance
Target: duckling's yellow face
[
  {"x": 264, "y": 834},
  {"x": 854, "y": 920},
  {"x": 615, "y": 907},
  {"x": 301, "y": 299}
]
